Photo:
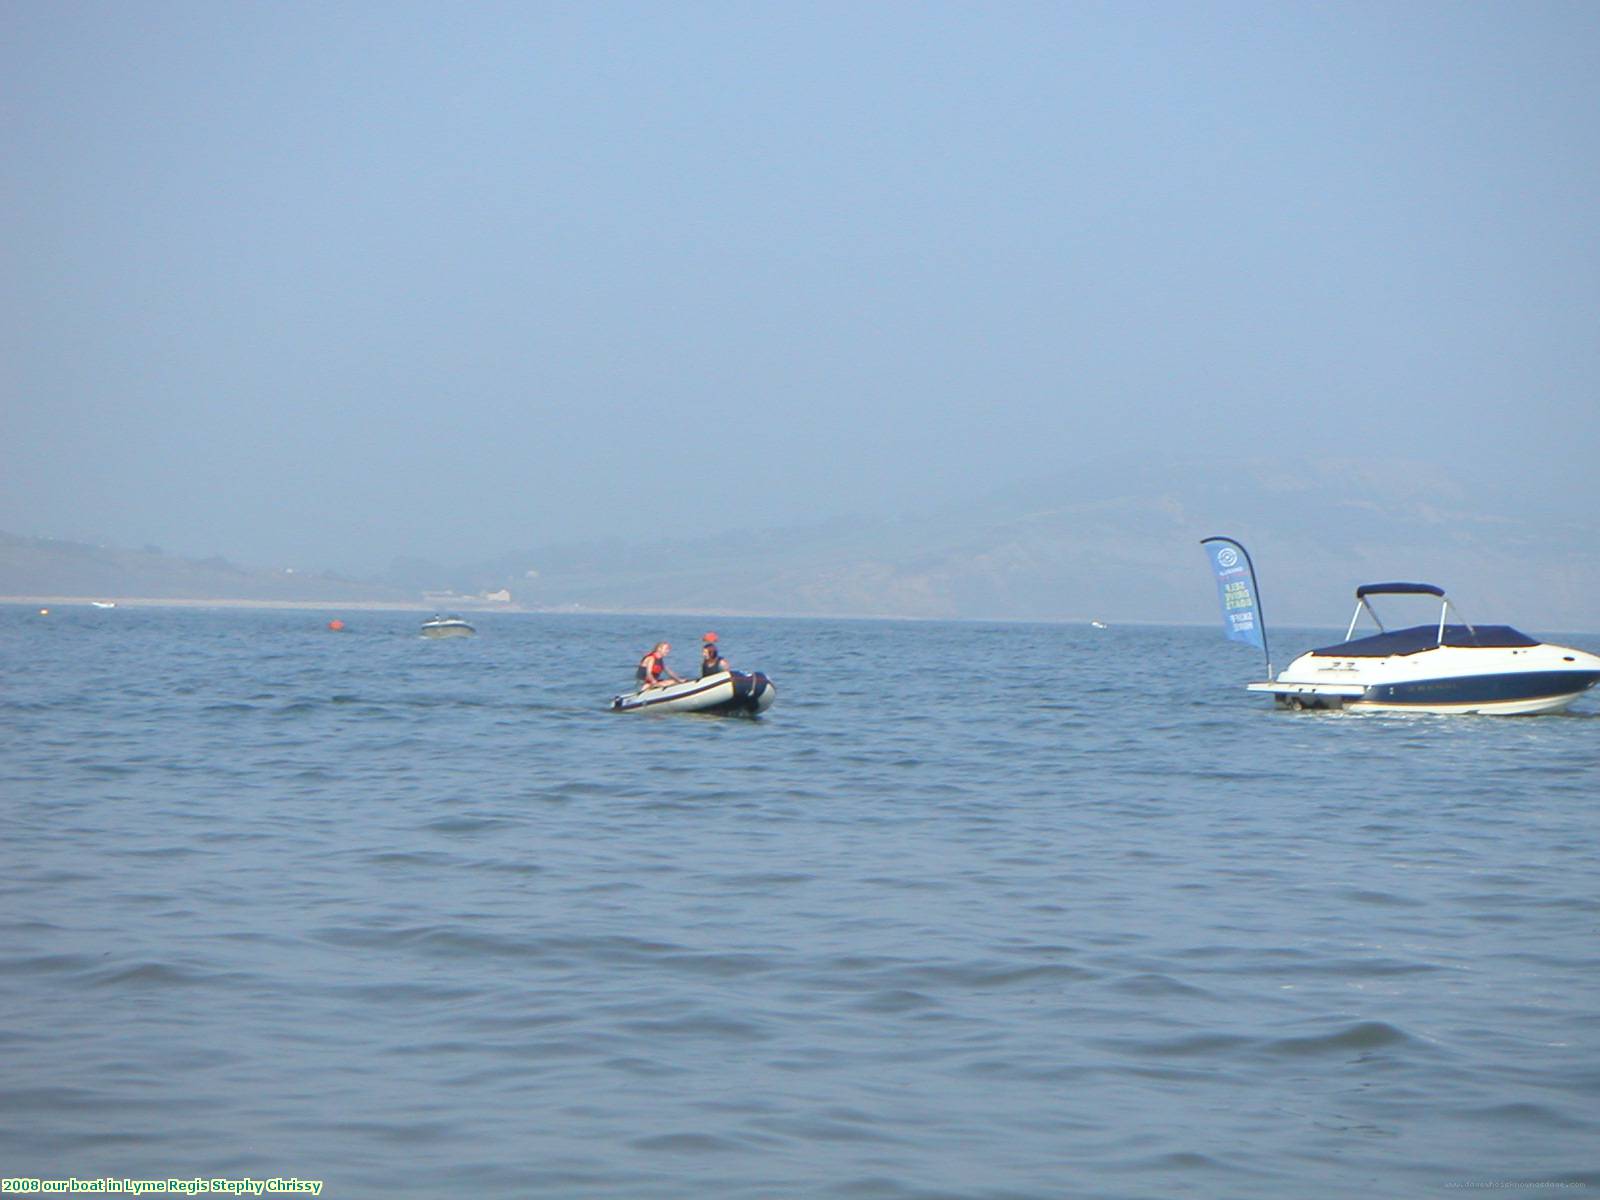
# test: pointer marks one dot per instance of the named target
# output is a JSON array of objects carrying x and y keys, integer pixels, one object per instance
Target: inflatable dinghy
[{"x": 724, "y": 692}]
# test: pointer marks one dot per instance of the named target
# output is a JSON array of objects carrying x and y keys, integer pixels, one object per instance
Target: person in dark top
[
  {"x": 711, "y": 660},
  {"x": 653, "y": 666}
]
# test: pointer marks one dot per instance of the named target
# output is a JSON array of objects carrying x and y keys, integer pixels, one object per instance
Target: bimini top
[
  {"x": 1398, "y": 589},
  {"x": 1425, "y": 637}
]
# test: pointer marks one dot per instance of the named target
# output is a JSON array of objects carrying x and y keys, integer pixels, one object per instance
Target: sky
[{"x": 328, "y": 284}]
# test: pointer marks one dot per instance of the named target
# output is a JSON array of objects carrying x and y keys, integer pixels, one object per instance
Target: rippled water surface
[{"x": 974, "y": 911}]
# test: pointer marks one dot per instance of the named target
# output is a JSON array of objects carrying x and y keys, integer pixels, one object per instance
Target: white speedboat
[
  {"x": 1442, "y": 668},
  {"x": 443, "y": 627},
  {"x": 724, "y": 692}
]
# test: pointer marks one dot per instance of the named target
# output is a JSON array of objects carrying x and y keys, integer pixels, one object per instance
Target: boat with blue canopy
[{"x": 1442, "y": 667}]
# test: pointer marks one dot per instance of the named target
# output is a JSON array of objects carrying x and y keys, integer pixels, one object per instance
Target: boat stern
[{"x": 1309, "y": 695}]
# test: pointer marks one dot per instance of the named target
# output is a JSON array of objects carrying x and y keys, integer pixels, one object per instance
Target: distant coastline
[
  {"x": 670, "y": 614},
  {"x": 578, "y": 610},
  {"x": 177, "y": 602}
]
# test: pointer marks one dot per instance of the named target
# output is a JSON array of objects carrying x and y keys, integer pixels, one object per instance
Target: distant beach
[{"x": 162, "y": 602}]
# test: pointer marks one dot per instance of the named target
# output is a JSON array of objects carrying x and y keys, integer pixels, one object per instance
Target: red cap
[{"x": 709, "y": 638}]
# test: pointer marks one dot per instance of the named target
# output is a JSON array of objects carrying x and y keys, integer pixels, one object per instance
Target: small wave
[
  {"x": 105, "y": 770},
  {"x": 160, "y": 853},
  {"x": 1157, "y": 985},
  {"x": 468, "y": 824},
  {"x": 699, "y": 1026},
  {"x": 1032, "y": 1071},
  {"x": 35, "y": 1100},
  {"x": 1380, "y": 899},
  {"x": 1536, "y": 1116},
  {"x": 504, "y": 867},
  {"x": 645, "y": 1068},
  {"x": 401, "y": 858},
  {"x": 897, "y": 1000},
  {"x": 831, "y": 1125},
  {"x": 991, "y": 977},
  {"x": 773, "y": 879},
  {"x": 438, "y": 940},
  {"x": 907, "y": 883},
  {"x": 395, "y": 1132},
  {"x": 726, "y": 965},
  {"x": 689, "y": 1143},
  {"x": 48, "y": 964},
  {"x": 56, "y": 877},
  {"x": 883, "y": 1187},
  {"x": 1364, "y": 1035},
  {"x": 393, "y": 993},
  {"x": 1193, "y": 1046},
  {"x": 1179, "y": 1160},
  {"x": 157, "y": 975}
]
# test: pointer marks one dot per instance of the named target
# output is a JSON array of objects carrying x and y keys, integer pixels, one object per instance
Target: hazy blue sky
[{"x": 321, "y": 284}]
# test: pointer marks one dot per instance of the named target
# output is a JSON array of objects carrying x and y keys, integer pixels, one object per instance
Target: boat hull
[
  {"x": 1490, "y": 701},
  {"x": 727, "y": 693},
  {"x": 1508, "y": 694},
  {"x": 1446, "y": 680},
  {"x": 448, "y": 629}
]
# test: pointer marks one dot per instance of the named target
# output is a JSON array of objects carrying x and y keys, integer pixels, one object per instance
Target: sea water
[{"x": 976, "y": 910}]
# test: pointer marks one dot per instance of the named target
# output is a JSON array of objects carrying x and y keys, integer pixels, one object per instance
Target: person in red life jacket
[
  {"x": 654, "y": 665},
  {"x": 711, "y": 660}
]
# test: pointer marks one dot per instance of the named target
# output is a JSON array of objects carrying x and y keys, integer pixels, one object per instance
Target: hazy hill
[
  {"x": 1116, "y": 543},
  {"x": 44, "y": 567}
]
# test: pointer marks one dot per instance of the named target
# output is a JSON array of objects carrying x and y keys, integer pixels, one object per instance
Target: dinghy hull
[{"x": 727, "y": 693}]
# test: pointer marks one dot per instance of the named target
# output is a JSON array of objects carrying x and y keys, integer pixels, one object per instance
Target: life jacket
[
  {"x": 714, "y": 664},
  {"x": 650, "y": 668}
]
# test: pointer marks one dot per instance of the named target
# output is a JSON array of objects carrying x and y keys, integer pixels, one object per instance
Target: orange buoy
[{"x": 336, "y": 625}]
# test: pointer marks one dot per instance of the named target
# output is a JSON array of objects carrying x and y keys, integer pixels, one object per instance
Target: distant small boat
[
  {"x": 443, "y": 627},
  {"x": 725, "y": 692},
  {"x": 104, "y": 603},
  {"x": 1098, "y": 624}
]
